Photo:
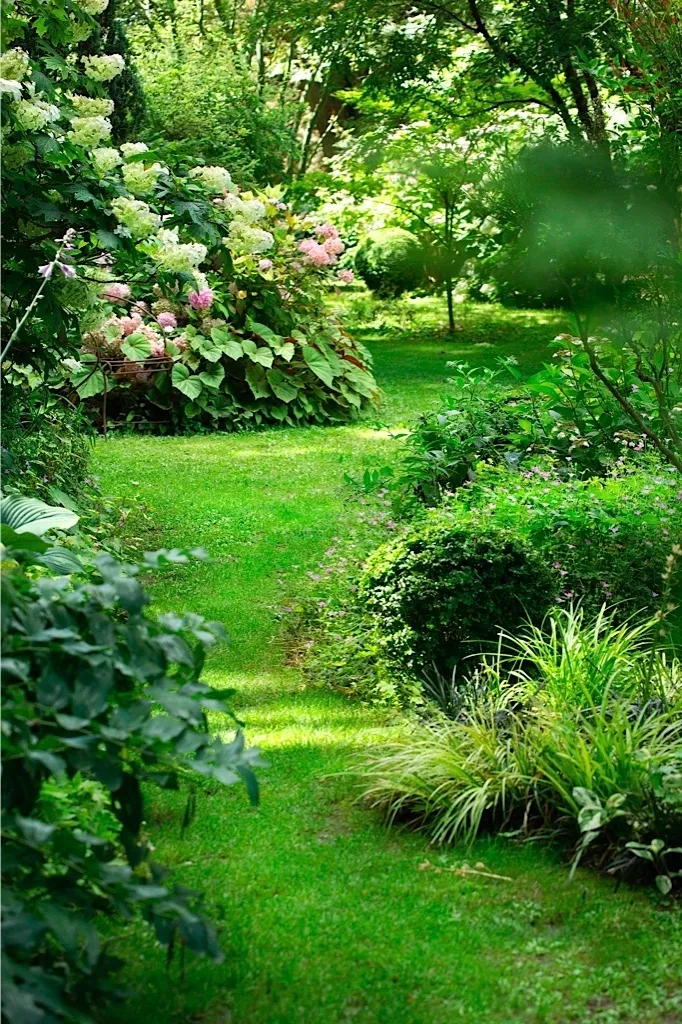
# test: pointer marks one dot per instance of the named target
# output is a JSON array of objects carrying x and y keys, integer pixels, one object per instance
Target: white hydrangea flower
[
  {"x": 136, "y": 216},
  {"x": 104, "y": 67},
  {"x": 140, "y": 180},
  {"x": 215, "y": 179},
  {"x": 175, "y": 256},
  {"x": 252, "y": 210},
  {"x": 89, "y": 131},
  {"x": 106, "y": 159},
  {"x": 34, "y": 114},
  {"x": 133, "y": 149},
  {"x": 14, "y": 157},
  {"x": 244, "y": 238},
  {"x": 14, "y": 64},
  {"x": 93, "y": 7},
  {"x": 91, "y": 106},
  {"x": 8, "y": 87}
]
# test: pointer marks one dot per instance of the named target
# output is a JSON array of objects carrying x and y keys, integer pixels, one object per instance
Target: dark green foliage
[
  {"x": 95, "y": 689},
  {"x": 440, "y": 594},
  {"x": 605, "y": 541},
  {"x": 130, "y": 107},
  {"x": 43, "y": 447},
  {"x": 390, "y": 261}
]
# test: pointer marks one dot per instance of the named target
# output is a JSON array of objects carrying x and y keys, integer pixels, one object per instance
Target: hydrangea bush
[{"x": 246, "y": 338}]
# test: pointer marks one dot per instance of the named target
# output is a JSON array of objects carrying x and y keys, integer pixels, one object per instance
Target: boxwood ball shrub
[
  {"x": 390, "y": 261},
  {"x": 440, "y": 594}
]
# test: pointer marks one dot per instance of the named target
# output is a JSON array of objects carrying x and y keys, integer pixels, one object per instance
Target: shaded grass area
[{"x": 326, "y": 915}]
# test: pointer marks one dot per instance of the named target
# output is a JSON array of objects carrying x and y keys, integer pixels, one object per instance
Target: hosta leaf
[
  {"x": 30, "y": 515},
  {"x": 281, "y": 385},
  {"x": 214, "y": 377},
  {"x": 60, "y": 561},
  {"x": 257, "y": 381},
  {"x": 318, "y": 364},
  {"x": 188, "y": 385},
  {"x": 137, "y": 347}
]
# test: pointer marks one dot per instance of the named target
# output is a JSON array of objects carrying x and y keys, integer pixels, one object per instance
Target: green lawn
[{"x": 326, "y": 915}]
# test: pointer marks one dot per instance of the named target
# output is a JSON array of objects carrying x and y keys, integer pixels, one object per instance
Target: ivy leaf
[
  {"x": 137, "y": 347},
  {"x": 190, "y": 386},
  {"x": 318, "y": 364},
  {"x": 214, "y": 377},
  {"x": 281, "y": 385},
  {"x": 257, "y": 381}
]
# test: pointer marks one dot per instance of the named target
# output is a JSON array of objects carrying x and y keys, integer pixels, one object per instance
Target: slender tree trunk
[{"x": 449, "y": 289}]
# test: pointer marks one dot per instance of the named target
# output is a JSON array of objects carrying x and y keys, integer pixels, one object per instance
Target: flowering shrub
[{"x": 251, "y": 340}]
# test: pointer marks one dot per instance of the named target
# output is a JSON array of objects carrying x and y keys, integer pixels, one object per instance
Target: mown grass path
[{"x": 326, "y": 915}]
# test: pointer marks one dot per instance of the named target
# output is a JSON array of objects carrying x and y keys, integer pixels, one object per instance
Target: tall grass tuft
[{"x": 569, "y": 713}]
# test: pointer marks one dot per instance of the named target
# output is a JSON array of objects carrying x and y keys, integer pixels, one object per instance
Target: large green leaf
[
  {"x": 361, "y": 381},
  {"x": 137, "y": 347},
  {"x": 255, "y": 376},
  {"x": 229, "y": 346},
  {"x": 281, "y": 385},
  {"x": 208, "y": 347},
  {"x": 188, "y": 385},
  {"x": 88, "y": 381},
  {"x": 214, "y": 377},
  {"x": 318, "y": 364},
  {"x": 30, "y": 515},
  {"x": 61, "y": 561},
  {"x": 263, "y": 355},
  {"x": 264, "y": 332},
  {"x": 286, "y": 351}
]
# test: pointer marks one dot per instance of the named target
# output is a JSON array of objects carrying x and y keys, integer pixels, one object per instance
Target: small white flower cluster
[
  {"x": 106, "y": 159},
  {"x": 93, "y": 7},
  {"x": 244, "y": 236},
  {"x": 171, "y": 254},
  {"x": 133, "y": 149},
  {"x": 139, "y": 179},
  {"x": 33, "y": 114},
  {"x": 91, "y": 106},
  {"x": 14, "y": 65},
  {"x": 215, "y": 179},
  {"x": 104, "y": 67},
  {"x": 89, "y": 131},
  {"x": 136, "y": 216}
]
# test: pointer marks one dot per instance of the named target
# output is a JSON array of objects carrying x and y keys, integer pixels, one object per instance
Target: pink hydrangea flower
[
  {"x": 346, "y": 276},
  {"x": 306, "y": 245},
  {"x": 327, "y": 231},
  {"x": 116, "y": 292},
  {"x": 201, "y": 300},
  {"x": 334, "y": 246},
  {"x": 317, "y": 254},
  {"x": 180, "y": 343},
  {"x": 130, "y": 324},
  {"x": 157, "y": 346},
  {"x": 167, "y": 321},
  {"x": 265, "y": 265}
]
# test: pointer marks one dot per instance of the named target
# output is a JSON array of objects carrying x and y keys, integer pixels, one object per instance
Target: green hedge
[{"x": 390, "y": 261}]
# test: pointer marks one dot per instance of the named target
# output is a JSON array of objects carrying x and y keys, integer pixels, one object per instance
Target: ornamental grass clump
[{"x": 572, "y": 730}]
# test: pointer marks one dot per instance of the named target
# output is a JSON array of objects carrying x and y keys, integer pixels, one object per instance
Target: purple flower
[
  {"x": 46, "y": 270},
  {"x": 67, "y": 270}
]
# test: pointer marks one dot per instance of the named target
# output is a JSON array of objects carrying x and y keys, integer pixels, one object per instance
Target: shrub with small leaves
[{"x": 99, "y": 693}]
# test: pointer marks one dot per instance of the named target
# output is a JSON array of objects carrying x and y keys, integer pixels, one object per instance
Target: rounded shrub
[
  {"x": 440, "y": 594},
  {"x": 390, "y": 261}
]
